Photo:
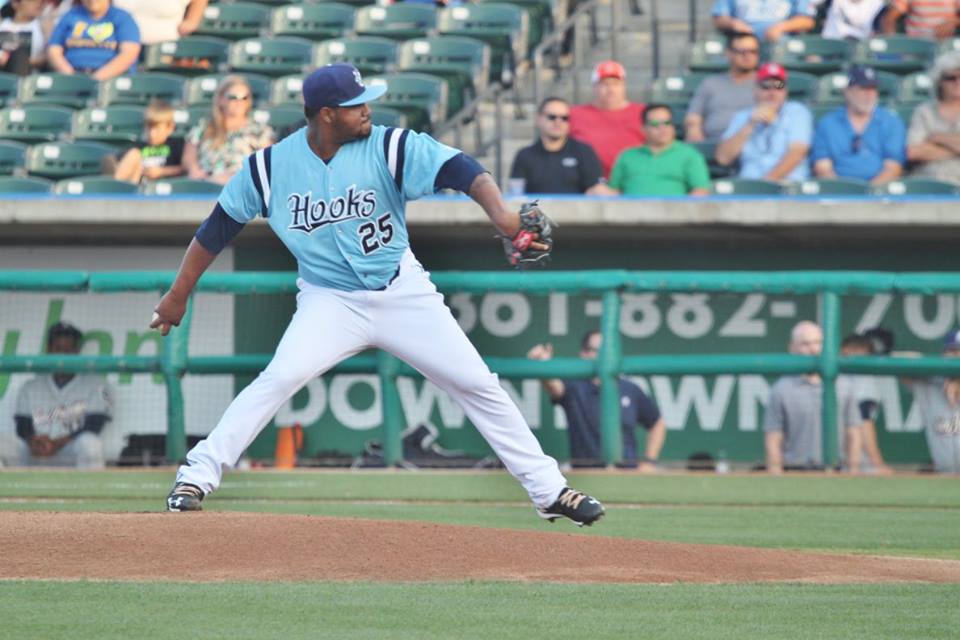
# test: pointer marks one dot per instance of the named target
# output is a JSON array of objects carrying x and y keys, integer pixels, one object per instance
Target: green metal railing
[{"x": 174, "y": 359}]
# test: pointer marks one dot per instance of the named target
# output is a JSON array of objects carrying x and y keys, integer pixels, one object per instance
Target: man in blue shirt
[
  {"x": 772, "y": 138},
  {"x": 97, "y": 39},
  {"x": 768, "y": 20},
  {"x": 861, "y": 140},
  {"x": 580, "y": 400}
]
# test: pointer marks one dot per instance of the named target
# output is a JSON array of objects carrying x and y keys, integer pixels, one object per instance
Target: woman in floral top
[{"x": 216, "y": 148}]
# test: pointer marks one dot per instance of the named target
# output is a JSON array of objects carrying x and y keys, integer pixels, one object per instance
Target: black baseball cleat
[
  {"x": 575, "y": 505},
  {"x": 185, "y": 497}
]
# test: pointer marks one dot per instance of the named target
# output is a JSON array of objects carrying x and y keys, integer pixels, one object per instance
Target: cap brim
[{"x": 370, "y": 94}]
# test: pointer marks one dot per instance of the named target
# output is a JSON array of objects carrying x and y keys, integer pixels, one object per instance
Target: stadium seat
[
  {"x": 189, "y": 56},
  {"x": 831, "y": 87},
  {"x": 503, "y": 26},
  {"x": 93, "y": 184},
  {"x": 678, "y": 114},
  {"x": 59, "y": 160},
  {"x": 463, "y": 62},
  {"x": 141, "y": 88},
  {"x": 181, "y": 186},
  {"x": 282, "y": 118},
  {"x": 831, "y": 187},
  {"x": 369, "y": 54},
  {"x": 287, "y": 90},
  {"x": 746, "y": 187},
  {"x": 917, "y": 187},
  {"x": 36, "y": 123},
  {"x": 801, "y": 86},
  {"x": 811, "y": 54},
  {"x": 398, "y": 21},
  {"x": 75, "y": 91},
  {"x": 896, "y": 53},
  {"x": 12, "y": 156},
  {"x": 187, "y": 119},
  {"x": 118, "y": 124},
  {"x": 904, "y": 110},
  {"x": 234, "y": 21},
  {"x": 708, "y": 150},
  {"x": 313, "y": 21},
  {"x": 948, "y": 45},
  {"x": 676, "y": 89},
  {"x": 708, "y": 55},
  {"x": 916, "y": 88},
  {"x": 9, "y": 84},
  {"x": 270, "y": 56},
  {"x": 388, "y": 117},
  {"x": 200, "y": 90},
  {"x": 12, "y": 185},
  {"x": 423, "y": 98},
  {"x": 539, "y": 18}
]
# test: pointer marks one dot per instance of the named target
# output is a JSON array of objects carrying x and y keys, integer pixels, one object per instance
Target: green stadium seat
[
  {"x": 916, "y": 88},
  {"x": 676, "y": 89},
  {"x": 811, "y": 54},
  {"x": 313, "y": 21},
  {"x": 180, "y": 187},
  {"x": 281, "y": 118},
  {"x": 187, "y": 119},
  {"x": 463, "y": 62},
  {"x": 904, "y": 110},
  {"x": 423, "y": 98},
  {"x": 917, "y": 187},
  {"x": 831, "y": 187},
  {"x": 189, "y": 56},
  {"x": 802, "y": 86},
  {"x": 270, "y": 56},
  {"x": 387, "y": 117},
  {"x": 708, "y": 150},
  {"x": 141, "y": 88},
  {"x": 896, "y": 53},
  {"x": 369, "y": 54},
  {"x": 678, "y": 114},
  {"x": 75, "y": 91},
  {"x": 234, "y": 21},
  {"x": 12, "y": 157},
  {"x": 12, "y": 185},
  {"x": 831, "y": 87},
  {"x": 36, "y": 123},
  {"x": 504, "y": 27},
  {"x": 118, "y": 124},
  {"x": 9, "y": 85},
  {"x": 397, "y": 21},
  {"x": 200, "y": 90},
  {"x": 746, "y": 187},
  {"x": 93, "y": 184},
  {"x": 709, "y": 55},
  {"x": 540, "y": 18},
  {"x": 287, "y": 90},
  {"x": 59, "y": 160}
]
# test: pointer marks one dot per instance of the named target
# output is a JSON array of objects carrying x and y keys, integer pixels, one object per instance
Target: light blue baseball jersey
[{"x": 344, "y": 221}]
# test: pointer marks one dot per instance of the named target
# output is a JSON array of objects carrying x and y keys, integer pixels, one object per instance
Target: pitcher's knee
[{"x": 473, "y": 382}]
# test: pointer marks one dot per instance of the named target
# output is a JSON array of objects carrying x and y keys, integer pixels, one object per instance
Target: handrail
[
  {"x": 174, "y": 360},
  {"x": 553, "y": 40}
]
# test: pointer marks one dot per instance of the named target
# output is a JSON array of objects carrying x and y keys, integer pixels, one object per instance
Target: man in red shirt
[{"x": 611, "y": 123}]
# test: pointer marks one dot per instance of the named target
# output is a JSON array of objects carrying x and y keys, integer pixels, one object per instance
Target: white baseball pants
[{"x": 409, "y": 320}]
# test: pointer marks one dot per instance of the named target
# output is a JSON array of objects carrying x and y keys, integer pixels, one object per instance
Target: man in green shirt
[{"x": 661, "y": 167}]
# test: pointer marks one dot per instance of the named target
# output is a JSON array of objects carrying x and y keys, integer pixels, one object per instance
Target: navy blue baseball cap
[
  {"x": 861, "y": 76},
  {"x": 338, "y": 85},
  {"x": 952, "y": 340}
]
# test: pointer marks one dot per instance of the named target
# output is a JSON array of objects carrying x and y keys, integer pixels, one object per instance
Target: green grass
[{"x": 347, "y": 611}]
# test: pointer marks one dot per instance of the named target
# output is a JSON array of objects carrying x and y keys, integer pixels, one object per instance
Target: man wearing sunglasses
[
  {"x": 772, "y": 138},
  {"x": 720, "y": 96},
  {"x": 862, "y": 140},
  {"x": 661, "y": 167},
  {"x": 556, "y": 163}
]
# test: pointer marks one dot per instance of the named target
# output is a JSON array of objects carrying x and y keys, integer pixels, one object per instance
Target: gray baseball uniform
[{"x": 941, "y": 421}]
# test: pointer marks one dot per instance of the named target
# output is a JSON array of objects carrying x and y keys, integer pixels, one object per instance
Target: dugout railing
[{"x": 174, "y": 360}]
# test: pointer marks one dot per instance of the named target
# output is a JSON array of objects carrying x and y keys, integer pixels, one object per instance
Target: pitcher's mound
[{"x": 254, "y": 546}]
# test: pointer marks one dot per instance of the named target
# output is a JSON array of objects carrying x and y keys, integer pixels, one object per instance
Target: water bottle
[{"x": 723, "y": 465}]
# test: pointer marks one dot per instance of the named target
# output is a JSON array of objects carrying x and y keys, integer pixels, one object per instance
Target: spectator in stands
[
  {"x": 580, "y": 400},
  {"x": 930, "y": 19},
  {"x": 851, "y": 19},
  {"x": 166, "y": 20},
  {"x": 866, "y": 398},
  {"x": 772, "y": 138},
  {"x": 556, "y": 163},
  {"x": 159, "y": 154},
  {"x": 939, "y": 401},
  {"x": 611, "y": 123},
  {"x": 216, "y": 148},
  {"x": 933, "y": 141},
  {"x": 97, "y": 39},
  {"x": 793, "y": 423},
  {"x": 662, "y": 167},
  {"x": 862, "y": 140},
  {"x": 21, "y": 39},
  {"x": 769, "y": 20},
  {"x": 59, "y": 417},
  {"x": 722, "y": 95},
  {"x": 53, "y": 11}
]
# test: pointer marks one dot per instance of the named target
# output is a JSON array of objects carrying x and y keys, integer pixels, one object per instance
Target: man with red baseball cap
[
  {"x": 611, "y": 123},
  {"x": 772, "y": 138}
]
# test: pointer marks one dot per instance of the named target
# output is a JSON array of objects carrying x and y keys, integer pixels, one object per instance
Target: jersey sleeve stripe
[
  {"x": 401, "y": 154},
  {"x": 392, "y": 140},
  {"x": 262, "y": 177}
]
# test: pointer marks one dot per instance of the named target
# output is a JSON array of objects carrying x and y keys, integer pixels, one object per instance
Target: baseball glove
[{"x": 535, "y": 226}]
